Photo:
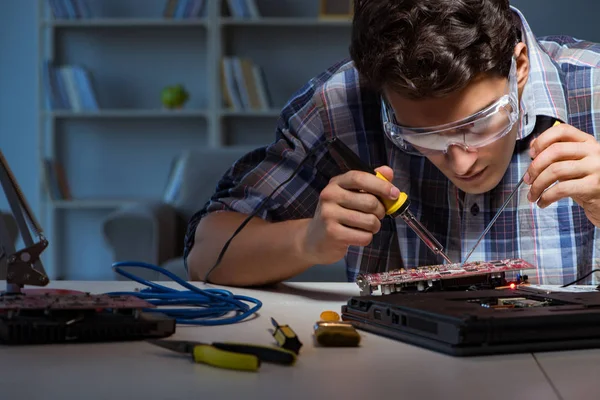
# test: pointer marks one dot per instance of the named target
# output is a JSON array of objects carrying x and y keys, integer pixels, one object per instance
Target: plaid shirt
[{"x": 559, "y": 240}]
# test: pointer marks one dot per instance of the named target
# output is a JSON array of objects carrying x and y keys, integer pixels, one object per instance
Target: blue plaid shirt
[{"x": 559, "y": 240}]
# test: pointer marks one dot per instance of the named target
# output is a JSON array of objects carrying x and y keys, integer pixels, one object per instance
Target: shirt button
[{"x": 474, "y": 209}]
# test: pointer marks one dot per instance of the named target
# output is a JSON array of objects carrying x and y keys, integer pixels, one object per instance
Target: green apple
[{"x": 174, "y": 96}]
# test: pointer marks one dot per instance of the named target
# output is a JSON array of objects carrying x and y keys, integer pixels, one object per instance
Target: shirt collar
[{"x": 543, "y": 93}]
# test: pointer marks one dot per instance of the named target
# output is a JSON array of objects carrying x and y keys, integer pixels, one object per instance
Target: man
[{"x": 450, "y": 100}]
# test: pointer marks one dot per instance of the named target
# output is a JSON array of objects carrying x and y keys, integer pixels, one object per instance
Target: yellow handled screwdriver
[
  {"x": 236, "y": 356},
  {"x": 394, "y": 208}
]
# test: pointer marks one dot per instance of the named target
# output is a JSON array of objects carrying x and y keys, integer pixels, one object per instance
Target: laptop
[{"x": 482, "y": 322}]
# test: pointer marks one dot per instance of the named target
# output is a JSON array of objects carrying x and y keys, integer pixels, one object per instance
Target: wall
[
  {"x": 19, "y": 97},
  {"x": 18, "y": 94}
]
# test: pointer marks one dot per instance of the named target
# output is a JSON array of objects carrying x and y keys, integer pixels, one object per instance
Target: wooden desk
[{"x": 380, "y": 367}]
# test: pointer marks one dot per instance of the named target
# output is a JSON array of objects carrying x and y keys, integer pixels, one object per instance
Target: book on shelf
[
  {"x": 244, "y": 85},
  {"x": 56, "y": 180},
  {"x": 172, "y": 191},
  {"x": 243, "y": 8},
  {"x": 69, "y": 87},
  {"x": 183, "y": 9},
  {"x": 70, "y": 9}
]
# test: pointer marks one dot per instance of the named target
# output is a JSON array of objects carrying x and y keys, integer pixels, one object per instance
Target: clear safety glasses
[{"x": 475, "y": 131}]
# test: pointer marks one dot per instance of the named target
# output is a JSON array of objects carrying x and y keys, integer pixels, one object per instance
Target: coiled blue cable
[{"x": 210, "y": 306}]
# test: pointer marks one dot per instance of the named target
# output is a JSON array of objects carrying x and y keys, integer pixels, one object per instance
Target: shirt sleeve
[{"x": 297, "y": 165}]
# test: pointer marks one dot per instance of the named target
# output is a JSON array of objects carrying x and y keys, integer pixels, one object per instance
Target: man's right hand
[{"x": 349, "y": 213}]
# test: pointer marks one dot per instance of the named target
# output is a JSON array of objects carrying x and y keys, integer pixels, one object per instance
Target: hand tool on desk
[
  {"x": 286, "y": 337},
  {"x": 237, "y": 356},
  {"x": 489, "y": 226},
  {"x": 394, "y": 208}
]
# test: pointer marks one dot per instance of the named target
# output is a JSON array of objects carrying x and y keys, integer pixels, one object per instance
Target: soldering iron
[{"x": 394, "y": 208}]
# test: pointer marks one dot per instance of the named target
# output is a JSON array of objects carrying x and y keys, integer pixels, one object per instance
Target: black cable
[
  {"x": 264, "y": 202},
  {"x": 582, "y": 278}
]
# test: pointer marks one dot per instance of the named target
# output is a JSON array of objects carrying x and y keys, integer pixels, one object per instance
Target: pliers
[{"x": 237, "y": 356}]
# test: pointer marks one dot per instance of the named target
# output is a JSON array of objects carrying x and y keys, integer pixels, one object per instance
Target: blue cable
[{"x": 210, "y": 305}]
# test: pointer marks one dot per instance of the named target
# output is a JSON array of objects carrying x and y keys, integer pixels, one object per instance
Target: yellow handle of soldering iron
[
  {"x": 391, "y": 206},
  {"x": 210, "y": 355}
]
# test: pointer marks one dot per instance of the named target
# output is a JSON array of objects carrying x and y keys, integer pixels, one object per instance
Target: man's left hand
[{"x": 570, "y": 158}]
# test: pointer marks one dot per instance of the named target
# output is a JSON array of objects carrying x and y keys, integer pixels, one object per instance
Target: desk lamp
[{"x": 23, "y": 267}]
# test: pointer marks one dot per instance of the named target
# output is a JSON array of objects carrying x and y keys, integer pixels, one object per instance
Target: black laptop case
[{"x": 483, "y": 322}]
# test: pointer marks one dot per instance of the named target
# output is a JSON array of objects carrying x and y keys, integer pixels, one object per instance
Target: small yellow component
[
  {"x": 330, "y": 316},
  {"x": 336, "y": 334},
  {"x": 210, "y": 355}
]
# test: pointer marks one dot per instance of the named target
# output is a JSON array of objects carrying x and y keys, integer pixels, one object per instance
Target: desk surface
[{"x": 381, "y": 366}]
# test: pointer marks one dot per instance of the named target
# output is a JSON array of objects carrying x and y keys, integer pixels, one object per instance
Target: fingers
[
  {"x": 350, "y": 207},
  {"x": 556, "y": 134},
  {"x": 570, "y": 188},
  {"x": 332, "y": 212},
  {"x": 553, "y": 154},
  {"x": 386, "y": 171},
  {"x": 561, "y": 154},
  {"x": 359, "y": 180},
  {"x": 559, "y": 171},
  {"x": 349, "y": 227},
  {"x": 363, "y": 202},
  {"x": 355, "y": 219},
  {"x": 349, "y": 236}
]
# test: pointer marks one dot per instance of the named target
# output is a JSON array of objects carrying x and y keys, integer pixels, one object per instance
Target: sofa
[{"x": 153, "y": 231}]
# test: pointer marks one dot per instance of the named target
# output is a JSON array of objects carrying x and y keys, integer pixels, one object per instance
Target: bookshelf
[{"x": 120, "y": 153}]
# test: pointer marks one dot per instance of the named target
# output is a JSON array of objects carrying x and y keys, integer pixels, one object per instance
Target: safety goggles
[{"x": 477, "y": 130}]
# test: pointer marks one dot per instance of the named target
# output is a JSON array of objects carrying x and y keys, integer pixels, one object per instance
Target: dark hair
[{"x": 429, "y": 48}]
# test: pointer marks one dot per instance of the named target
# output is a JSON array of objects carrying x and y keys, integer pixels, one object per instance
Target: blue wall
[
  {"x": 19, "y": 62},
  {"x": 18, "y": 93}
]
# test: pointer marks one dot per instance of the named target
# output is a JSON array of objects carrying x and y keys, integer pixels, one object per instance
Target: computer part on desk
[
  {"x": 492, "y": 321},
  {"x": 486, "y": 274},
  {"x": 36, "y": 316}
]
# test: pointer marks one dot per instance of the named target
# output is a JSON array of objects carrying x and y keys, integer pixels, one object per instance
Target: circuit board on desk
[
  {"x": 70, "y": 316},
  {"x": 441, "y": 277}
]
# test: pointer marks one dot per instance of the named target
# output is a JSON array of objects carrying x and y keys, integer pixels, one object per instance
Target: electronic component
[
  {"x": 512, "y": 302},
  {"x": 331, "y": 332},
  {"x": 78, "y": 317},
  {"x": 53, "y": 315},
  {"x": 336, "y": 334},
  {"x": 329, "y": 316},
  {"x": 456, "y": 275},
  {"x": 68, "y": 301},
  {"x": 286, "y": 337}
]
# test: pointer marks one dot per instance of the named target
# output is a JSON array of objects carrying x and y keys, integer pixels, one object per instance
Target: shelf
[
  {"x": 125, "y": 23},
  {"x": 251, "y": 113},
  {"x": 284, "y": 21},
  {"x": 83, "y": 204},
  {"x": 131, "y": 113},
  {"x": 131, "y": 52}
]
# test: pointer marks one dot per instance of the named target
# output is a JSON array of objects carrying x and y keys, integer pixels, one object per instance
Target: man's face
[{"x": 474, "y": 170}]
